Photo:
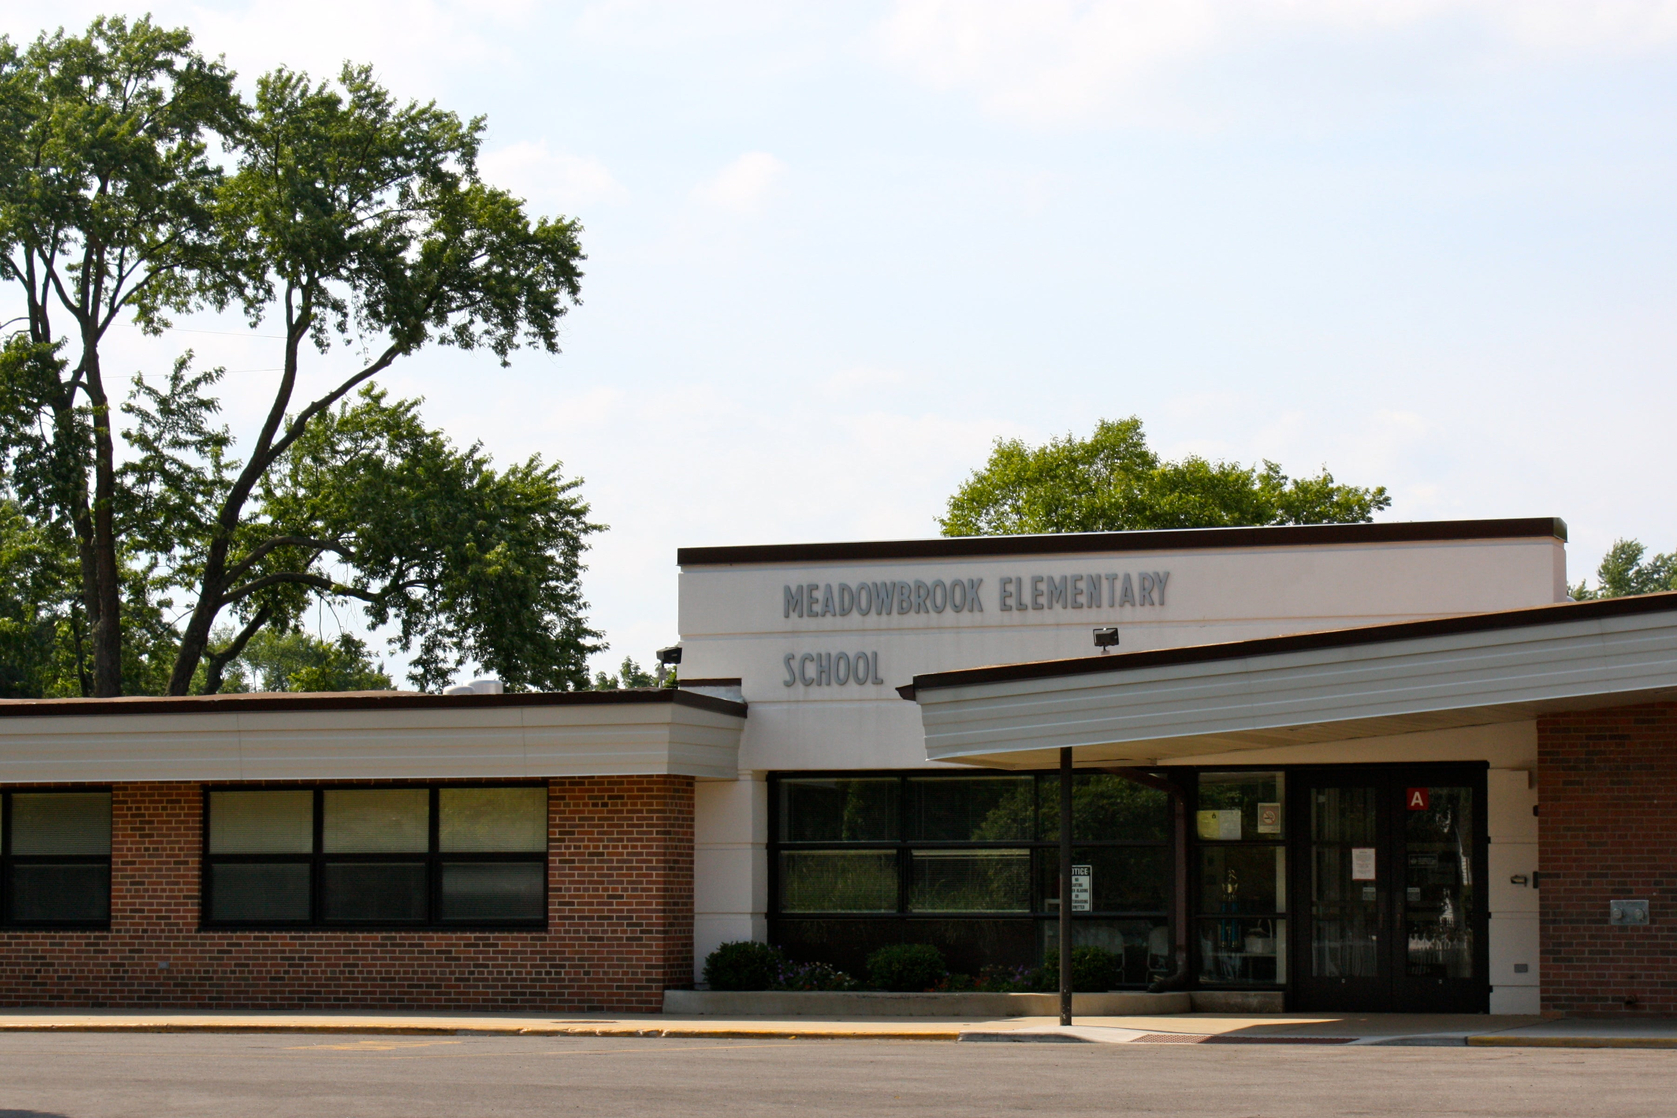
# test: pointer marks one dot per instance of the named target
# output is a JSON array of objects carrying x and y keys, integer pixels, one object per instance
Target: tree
[
  {"x": 1623, "y": 571},
  {"x": 107, "y": 197},
  {"x": 1112, "y": 481},
  {"x": 303, "y": 662},
  {"x": 628, "y": 675},
  {"x": 347, "y": 218}
]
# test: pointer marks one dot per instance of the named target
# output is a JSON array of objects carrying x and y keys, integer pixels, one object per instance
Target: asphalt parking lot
[{"x": 110, "y": 1075}]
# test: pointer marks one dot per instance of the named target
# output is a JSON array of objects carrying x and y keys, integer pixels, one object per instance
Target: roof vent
[{"x": 476, "y": 687}]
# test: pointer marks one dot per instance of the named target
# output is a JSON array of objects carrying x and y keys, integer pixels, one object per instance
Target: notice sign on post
[
  {"x": 1083, "y": 888},
  {"x": 1362, "y": 863}
]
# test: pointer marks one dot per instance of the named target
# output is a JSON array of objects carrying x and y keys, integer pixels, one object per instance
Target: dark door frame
[{"x": 1394, "y": 990}]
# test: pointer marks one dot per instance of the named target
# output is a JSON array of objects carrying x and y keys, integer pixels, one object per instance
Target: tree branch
[
  {"x": 295, "y": 578},
  {"x": 241, "y": 568},
  {"x": 215, "y": 661}
]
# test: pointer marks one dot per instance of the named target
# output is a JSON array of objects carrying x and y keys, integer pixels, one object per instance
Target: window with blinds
[
  {"x": 55, "y": 858},
  {"x": 428, "y": 855}
]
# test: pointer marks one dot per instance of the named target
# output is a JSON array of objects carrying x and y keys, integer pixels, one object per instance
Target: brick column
[{"x": 1607, "y": 830}]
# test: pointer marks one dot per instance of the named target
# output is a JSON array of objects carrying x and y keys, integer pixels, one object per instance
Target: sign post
[{"x": 1065, "y": 885}]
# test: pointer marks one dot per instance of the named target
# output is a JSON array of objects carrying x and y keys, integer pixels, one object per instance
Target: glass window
[
  {"x": 258, "y": 891},
  {"x": 58, "y": 866},
  {"x": 963, "y": 809},
  {"x": 1122, "y": 878},
  {"x": 262, "y": 822},
  {"x": 1439, "y": 896},
  {"x": 492, "y": 819},
  {"x": 970, "y": 881},
  {"x": 377, "y": 821},
  {"x": 473, "y": 891},
  {"x": 61, "y": 823},
  {"x": 1243, "y": 879},
  {"x": 373, "y": 891},
  {"x": 838, "y": 880},
  {"x": 1241, "y": 806},
  {"x": 967, "y": 861},
  {"x": 839, "y": 810},
  {"x": 377, "y": 859},
  {"x": 1107, "y": 808},
  {"x": 1243, "y": 951}
]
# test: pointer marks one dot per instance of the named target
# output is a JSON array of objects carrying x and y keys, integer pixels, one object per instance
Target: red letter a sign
[{"x": 1418, "y": 799}]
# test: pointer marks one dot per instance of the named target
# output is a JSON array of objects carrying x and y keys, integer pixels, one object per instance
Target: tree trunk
[{"x": 106, "y": 624}]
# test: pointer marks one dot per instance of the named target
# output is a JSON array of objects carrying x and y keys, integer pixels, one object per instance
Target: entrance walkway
[{"x": 1195, "y": 1028}]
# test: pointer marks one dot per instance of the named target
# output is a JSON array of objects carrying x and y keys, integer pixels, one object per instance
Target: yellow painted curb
[
  {"x": 1573, "y": 1041},
  {"x": 437, "y": 1030}
]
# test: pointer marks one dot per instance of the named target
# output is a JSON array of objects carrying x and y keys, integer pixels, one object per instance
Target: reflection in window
[
  {"x": 863, "y": 810},
  {"x": 838, "y": 881},
  {"x": 1439, "y": 895},
  {"x": 970, "y": 881},
  {"x": 960, "y": 809}
]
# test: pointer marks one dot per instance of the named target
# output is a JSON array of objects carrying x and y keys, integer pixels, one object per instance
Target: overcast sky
[{"x": 836, "y": 250}]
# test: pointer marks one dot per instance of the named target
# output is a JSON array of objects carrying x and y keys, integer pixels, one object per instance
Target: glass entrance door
[{"x": 1392, "y": 896}]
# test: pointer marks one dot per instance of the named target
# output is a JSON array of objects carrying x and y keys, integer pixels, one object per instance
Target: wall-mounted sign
[
  {"x": 1362, "y": 863},
  {"x": 1625, "y": 914},
  {"x": 892, "y": 597},
  {"x": 1418, "y": 798},
  {"x": 831, "y": 669},
  {"x": 1269, "y": 819}
]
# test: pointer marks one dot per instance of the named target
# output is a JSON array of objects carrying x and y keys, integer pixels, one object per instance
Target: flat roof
[
  {"x": 358, "y": 700},
  {"x": 1177, "y": 539},
  {"x": 1558, "y": 613}
]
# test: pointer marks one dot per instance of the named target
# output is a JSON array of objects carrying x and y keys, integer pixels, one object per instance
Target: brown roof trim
[
  {"x": 1556, "y": 614},
  {"x": 359, "y": 700},
  {"x": 1177, "y": 539},
  {"x": 732, "y": 682}
]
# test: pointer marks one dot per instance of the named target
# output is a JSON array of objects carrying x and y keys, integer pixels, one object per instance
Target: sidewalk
[{"x": 1198, "y": 1028}]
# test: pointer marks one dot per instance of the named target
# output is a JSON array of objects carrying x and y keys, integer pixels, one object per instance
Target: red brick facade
[
  {"x": 620, "y": 924},
  {"x": 1607, "y": 829}
]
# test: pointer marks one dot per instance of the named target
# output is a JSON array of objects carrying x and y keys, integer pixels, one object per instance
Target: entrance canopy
[{"x": 1145, "y": 708}]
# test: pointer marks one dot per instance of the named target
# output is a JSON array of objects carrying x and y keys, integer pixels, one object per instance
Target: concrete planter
[
  {"x": 789, "y": 1003},
  {"x": 1120, "y": 1003}
]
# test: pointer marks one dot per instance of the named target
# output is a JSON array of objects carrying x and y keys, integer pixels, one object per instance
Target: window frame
[
  {"x": 8, "y": 860},
  {"x": 1037, "y": 909},
  {"x": 317, "y": 860}
]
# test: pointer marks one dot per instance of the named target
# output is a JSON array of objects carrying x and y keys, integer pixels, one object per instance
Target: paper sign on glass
[
  {"x": 1362, "y": 863},
  {"x": 1269, "y": 819},
  {"x": 1083, "y": 888},
  {"x": 1228, "y": 823}
]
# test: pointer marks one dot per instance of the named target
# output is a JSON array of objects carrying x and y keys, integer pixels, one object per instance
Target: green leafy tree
[
  {"x": 107, "y": 201},
  {"x": 299, "y": 661},
  {"x": 628, "y": 675},
  {"x": 1628, "y": 569},
  {"x": 345, "y": 218},
  {"x": 1112, "y": 481}
]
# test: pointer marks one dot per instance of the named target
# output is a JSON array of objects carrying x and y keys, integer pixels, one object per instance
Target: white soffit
[
  {"x": 1211, "y": 705},
  {"x": 436, "y": 742}
]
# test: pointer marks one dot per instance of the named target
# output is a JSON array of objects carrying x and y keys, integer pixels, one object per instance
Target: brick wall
[
  {"x": 620, "y": 924},
  {"x": 1607, "y": 829}
]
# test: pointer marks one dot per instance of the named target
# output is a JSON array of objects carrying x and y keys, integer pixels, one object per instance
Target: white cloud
[
  {"x": 745, "y": 184},
  {"x": 1078, "y": 61},
  {"x": 552, "y": 182}
]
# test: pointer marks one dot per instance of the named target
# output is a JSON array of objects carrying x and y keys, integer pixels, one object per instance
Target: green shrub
[
  {"x": 744, "y": 965},
  {"x": 1093, "y": 970},
  {"x": 906, "y": 967}
]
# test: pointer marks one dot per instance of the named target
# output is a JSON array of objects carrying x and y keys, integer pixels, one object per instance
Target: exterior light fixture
[{"x": 1106, "y": 638}]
